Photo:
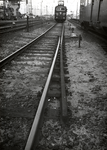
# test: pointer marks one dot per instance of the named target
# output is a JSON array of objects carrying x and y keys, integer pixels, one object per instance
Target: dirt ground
[{"x": 87, "y": 99}]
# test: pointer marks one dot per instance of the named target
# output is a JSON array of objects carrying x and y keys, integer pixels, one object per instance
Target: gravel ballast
[
  {"x": 86, "y": 127},
  {"x": 87, "y": 98}
]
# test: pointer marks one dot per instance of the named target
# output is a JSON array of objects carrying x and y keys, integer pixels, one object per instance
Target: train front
[{"x": 60, "y": 12}]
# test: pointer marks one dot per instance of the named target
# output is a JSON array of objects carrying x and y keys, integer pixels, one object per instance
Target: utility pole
[
  {"x": 41, "y": 7},
  {"x": 77, "y": 11},
  {"x": 91, "y": 11},
  {"x": 30, "y": 6},
  {"x": 46, "y": 10},
  {"x": 4, "y": 8},
  {"x": 27, "y": 16},
  {"x": 98, "y": 21}
]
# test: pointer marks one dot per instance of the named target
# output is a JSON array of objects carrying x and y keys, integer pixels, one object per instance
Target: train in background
[
  {"x": 60, "y": 12},
  {"x": 93, "y": 14}
]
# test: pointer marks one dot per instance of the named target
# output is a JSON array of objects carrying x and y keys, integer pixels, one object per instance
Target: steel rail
[
  {"x": 20, "y": 50},
  {"x": 36, "y": 122},
  {"x": 63, "y": 92},
  {"x": 14, "y": 29},
  {"x": 17, "y": 27},
  {"x": 9, "y": 23}
]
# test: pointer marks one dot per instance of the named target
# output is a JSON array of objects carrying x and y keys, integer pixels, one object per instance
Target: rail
[
  {"x": 63, "y": 92},
  {"x": 33, "y": 132},
  {"x": 18, "y": 26},
  {"x": 31, "y": 143},
  {"x": 20, "y": 50}
]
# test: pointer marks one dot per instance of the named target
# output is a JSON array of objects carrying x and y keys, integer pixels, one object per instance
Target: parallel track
[{"x": 19, "y": 26}]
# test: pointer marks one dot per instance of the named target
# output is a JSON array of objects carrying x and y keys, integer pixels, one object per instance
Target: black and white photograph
[{"x": 53, "y": 74}]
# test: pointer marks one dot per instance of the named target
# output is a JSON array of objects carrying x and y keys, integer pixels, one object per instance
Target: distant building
[{"x": 10, "y": 9}]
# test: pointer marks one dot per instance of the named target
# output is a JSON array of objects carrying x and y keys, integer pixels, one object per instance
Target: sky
[{"x": 42, "y": 7}]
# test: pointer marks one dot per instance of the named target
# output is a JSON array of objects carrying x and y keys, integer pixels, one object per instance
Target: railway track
[
  {"x": 19, "y": 26},
  {"x": 23, "y": 87}
]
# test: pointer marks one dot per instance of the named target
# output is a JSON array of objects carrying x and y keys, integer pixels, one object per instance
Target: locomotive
[
  {"x": 60, "y": 12},
  {"x": 93, "y": 14}
]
